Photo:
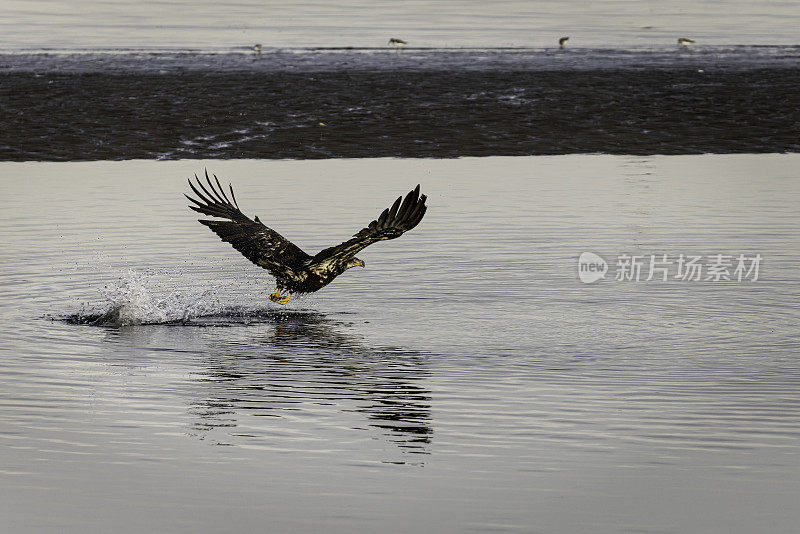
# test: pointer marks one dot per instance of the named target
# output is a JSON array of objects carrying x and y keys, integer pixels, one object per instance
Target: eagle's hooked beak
[{"x": 360, "y": 263}]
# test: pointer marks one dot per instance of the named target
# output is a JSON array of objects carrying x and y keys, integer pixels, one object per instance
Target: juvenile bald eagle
[{"x": 294, "y": 270}]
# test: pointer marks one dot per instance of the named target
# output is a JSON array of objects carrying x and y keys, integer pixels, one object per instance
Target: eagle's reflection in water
[{"x": 301, "y": 362}]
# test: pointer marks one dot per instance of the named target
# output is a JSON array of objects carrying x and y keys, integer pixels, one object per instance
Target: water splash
[{"x": 130, "y": 302}]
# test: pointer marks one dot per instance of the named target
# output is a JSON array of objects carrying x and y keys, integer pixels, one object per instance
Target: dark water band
[{"x": 108, "y": 114}]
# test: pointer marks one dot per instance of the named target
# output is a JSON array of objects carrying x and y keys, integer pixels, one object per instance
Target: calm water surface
[
  {"x": 466, "y": 380},
  {"x": 226, "y": 23}
]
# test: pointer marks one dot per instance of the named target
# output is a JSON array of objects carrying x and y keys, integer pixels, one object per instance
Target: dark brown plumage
[{"x": 293, "y": 269}]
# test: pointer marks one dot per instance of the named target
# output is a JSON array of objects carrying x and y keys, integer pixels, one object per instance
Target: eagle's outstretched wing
[
  {"x": 263, "y": 246},
  {"x": 404, "y": 215}
]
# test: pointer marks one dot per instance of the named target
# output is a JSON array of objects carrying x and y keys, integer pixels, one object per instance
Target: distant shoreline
[{"x": 243, "y": 59}]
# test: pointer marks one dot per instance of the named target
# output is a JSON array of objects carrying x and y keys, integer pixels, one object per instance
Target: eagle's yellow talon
[{"x": 280, "y": 299}]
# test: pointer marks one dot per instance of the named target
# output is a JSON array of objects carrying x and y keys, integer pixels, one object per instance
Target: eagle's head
[{"x": 355, "y": 262}]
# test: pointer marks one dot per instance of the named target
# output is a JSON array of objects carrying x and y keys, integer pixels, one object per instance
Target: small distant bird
[
  {"x": 399, "y": 43},
  {"x": 683, "y": 41},
  {"x": 563, "y": 41},
  {"x": 257, "y": 48}
]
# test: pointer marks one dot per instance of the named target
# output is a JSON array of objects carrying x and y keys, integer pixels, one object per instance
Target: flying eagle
[{"x": 294, "y": 270}]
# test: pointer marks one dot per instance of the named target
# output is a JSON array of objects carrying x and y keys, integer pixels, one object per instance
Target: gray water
[
  {"x": 466, "y": 380},
  {"x": 181, "y": 24}
]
